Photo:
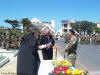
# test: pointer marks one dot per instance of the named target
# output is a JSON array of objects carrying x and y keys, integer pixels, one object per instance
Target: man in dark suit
[
  {"x": 28, "y": 59},
  {"x": 47, "y": 40}
]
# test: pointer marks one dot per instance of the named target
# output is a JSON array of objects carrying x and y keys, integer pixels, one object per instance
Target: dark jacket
[
  {"x": 28, "y": 58},
  {"x": 44, "y": 40},
  {"x": 47, "y": 52}
]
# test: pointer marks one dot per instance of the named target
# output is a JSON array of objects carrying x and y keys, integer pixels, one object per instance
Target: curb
[
  {"x": 15, "y": 54},
  {"x": 4, "y": 61}
]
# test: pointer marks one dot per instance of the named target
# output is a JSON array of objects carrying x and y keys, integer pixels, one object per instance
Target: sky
[{"x": 47, "y": 10}]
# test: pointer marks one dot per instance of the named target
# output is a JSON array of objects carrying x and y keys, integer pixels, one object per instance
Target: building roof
[
  {"x": 35, "y": 20},
  {"x": 43, "y": 24},
  {"x": 72, "y": 21},
  {"x": 98, "y": 22}
]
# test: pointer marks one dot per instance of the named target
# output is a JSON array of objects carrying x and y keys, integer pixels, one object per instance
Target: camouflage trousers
[{"x": 71, "y": 58}]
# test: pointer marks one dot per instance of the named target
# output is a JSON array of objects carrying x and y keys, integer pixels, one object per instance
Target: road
[{"x": 88, "y": 57}]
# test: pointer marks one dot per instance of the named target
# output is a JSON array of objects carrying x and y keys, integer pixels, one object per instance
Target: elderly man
[
  {"x": 28, "y": 59},
  {"x": 47, "y": 40},
  {"x": 71, "y": 47}
]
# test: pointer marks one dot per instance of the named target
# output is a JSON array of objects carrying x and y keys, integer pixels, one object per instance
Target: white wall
[{"x": 98, "y": 25}]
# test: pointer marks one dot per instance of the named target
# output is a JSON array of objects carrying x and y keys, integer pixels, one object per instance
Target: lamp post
[
  {"x": 79, "y": 33},
  {"x": 79, "y": 29}
]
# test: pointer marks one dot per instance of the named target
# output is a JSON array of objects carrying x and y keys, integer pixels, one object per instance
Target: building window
[
  {"x": 65, "y": 25},
  {"x": 65, "y": 30}
]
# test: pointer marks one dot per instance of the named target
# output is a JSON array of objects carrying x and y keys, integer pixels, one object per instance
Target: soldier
[
  {"x": 87, "y": 40},
  {"x": 96, "y": 40},
  {"x": 7, "y": 39},
  {"x": 18, "y": 42},
  {"x": 82, "y": 39},
  {"x": 66, "y": 37},
  {"x": 71, "y": 47},
  {"x": 99, "y": 38},
  {"x": 0, "y": 41},
  {"x": 93, "y": 39},
  {"x": 15, "y": 42}
]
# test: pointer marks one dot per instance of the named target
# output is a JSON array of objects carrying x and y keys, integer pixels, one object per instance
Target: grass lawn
[{"x": 2, "y": 57}]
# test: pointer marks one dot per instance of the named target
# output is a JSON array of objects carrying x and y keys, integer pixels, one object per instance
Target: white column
[{"x": 53, "y": 24}]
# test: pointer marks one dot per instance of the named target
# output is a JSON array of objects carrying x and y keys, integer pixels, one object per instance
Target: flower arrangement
[
  {"x": 65, "y": 68},
  {"x": 62, "y": 63}
]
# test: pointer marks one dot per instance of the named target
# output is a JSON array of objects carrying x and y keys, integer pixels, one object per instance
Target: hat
[
  {"x": 34, "y": 29},
  {"x": 72, "y": 31}
]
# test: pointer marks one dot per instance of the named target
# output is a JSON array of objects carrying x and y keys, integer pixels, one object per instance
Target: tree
[
  {"x": 26, "y": 23},
  {"x": 75, "y": 26},
  {"x": 83, "y": 26},
  {"x": 87, "y": 26},
  {"x": 14, "y": 23},
  {"x": 96, "y": 29}
]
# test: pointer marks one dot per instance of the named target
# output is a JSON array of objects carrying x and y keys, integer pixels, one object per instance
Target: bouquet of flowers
[
  {"x": 62, "y": 63},
  {"x": 65, "y": 68}
]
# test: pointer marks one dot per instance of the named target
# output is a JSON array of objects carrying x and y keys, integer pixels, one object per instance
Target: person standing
[
  {"x": 28, "y": 59},
  {"x": 71, "y": 47},
  {"x": 47, "y": 40}
]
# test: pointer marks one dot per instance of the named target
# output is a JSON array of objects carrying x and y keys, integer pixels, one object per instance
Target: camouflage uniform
[
  {"x": 82, "y": 39},
  {"x": 99, "y": 39},
  {"x": 93, "y": 39},
  {"x": 7, "y": 41},
  {"x": 96, "y": 40},
  {"x": 87, "y": 39},
  {"x": 0, "y": 41},
  {"x": 71, "y": 48}
]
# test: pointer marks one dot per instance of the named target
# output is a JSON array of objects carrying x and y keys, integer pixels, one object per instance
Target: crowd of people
[
  {"x": 89, "y": 39},
  {"x": 10, "y": 40}
]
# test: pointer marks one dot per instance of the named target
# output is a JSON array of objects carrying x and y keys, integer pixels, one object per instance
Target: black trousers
[{"x": 47, "y": 54}]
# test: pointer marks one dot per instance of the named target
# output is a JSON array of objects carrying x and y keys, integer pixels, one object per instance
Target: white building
[
  {"x": 66, "y": 25},
  {"x": 45, "y": 24},
  {"x": 59, "y": 32},
  {"x": 98, "y": 24}
]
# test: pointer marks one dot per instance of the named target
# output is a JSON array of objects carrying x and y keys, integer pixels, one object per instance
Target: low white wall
[{"x": 4, "y": 61}]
